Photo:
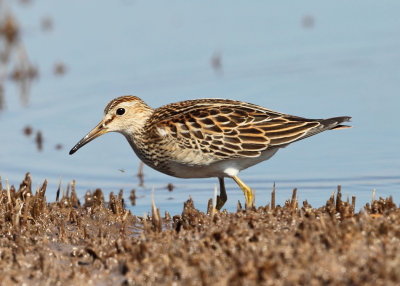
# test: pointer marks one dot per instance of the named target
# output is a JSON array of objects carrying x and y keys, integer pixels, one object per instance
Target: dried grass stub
[{"x": 98, "y": 242}]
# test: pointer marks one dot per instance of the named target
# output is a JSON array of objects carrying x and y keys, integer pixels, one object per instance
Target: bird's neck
[{"x": 136, "y": 130}]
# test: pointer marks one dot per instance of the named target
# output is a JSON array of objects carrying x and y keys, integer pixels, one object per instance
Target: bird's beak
[{"x": 99, "y": 130}]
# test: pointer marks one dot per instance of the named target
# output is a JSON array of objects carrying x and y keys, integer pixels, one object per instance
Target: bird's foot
[
  {"x": 220, "y": 203},
  {"x": 248, "y": 192}
]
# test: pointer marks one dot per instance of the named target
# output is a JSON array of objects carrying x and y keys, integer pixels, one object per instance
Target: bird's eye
[{"x": 120, "y": 111}]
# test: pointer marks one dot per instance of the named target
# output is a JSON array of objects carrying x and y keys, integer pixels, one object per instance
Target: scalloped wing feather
[{"x": 228, "y": 129}]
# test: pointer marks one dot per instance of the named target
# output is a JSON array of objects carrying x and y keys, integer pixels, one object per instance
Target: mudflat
[{"x": 99, "y": 242}]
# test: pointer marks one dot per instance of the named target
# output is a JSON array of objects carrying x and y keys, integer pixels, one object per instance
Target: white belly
[{"x": 226, "y": 168}]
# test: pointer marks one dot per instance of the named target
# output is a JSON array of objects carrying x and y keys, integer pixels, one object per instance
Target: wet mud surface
[{"x": 92, "y": 242}]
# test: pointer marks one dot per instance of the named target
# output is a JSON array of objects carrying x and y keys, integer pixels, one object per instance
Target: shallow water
[{"x": 311, "y": 59}]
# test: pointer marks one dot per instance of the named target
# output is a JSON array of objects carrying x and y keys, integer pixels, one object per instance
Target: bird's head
[{"x": 125, "y": 114}]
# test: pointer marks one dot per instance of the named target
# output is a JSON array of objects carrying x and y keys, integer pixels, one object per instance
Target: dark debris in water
[
  {"x": 27, "y": 130},
  {"x": 58, "y": 146},
  {"x": 140, "y": 174},
  {"x": 46, "y": 24},
  {"x": 39, "y": 140},
  {"x": 216, "y": 62},
  {"x": 59, "y": 69},
  {"x": 14, "y": 56},
  {"x": 308, "y": 21},
  {"x": 132, "y": 197},
  {"x": 95, "y": 242}
]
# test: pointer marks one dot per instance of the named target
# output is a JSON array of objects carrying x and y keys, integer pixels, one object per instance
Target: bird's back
[{"x": 221, "y": 129}]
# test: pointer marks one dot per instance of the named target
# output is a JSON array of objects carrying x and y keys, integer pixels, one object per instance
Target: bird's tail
[
  {"x": 335, "y": 123},
  {"x": 327, "y": 124}
]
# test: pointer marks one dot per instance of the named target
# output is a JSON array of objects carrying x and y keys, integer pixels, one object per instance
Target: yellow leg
[{"x": 246, "y": 190}]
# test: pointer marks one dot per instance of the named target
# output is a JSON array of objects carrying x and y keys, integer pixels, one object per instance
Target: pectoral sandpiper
[{"x": 205, "y": 137}]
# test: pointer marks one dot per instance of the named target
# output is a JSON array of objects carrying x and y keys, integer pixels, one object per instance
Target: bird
[{"x": 204, "y": 138}]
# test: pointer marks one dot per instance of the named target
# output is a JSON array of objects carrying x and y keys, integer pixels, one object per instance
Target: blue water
[{"x": 347, "y": 62}]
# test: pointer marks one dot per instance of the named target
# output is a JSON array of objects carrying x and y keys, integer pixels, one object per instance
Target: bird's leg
[
  {"x": 246, "y": 190},
  {"x": 221, "y": 199}
]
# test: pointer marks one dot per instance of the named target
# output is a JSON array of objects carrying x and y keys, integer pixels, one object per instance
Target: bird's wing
[{"x": 228, "y": 129}]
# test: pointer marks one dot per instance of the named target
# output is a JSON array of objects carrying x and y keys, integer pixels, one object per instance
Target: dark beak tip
[{"x": 72, "y": 151}]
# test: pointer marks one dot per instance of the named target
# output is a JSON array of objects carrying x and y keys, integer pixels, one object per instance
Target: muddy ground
[{"x": 92, "y": 242}]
